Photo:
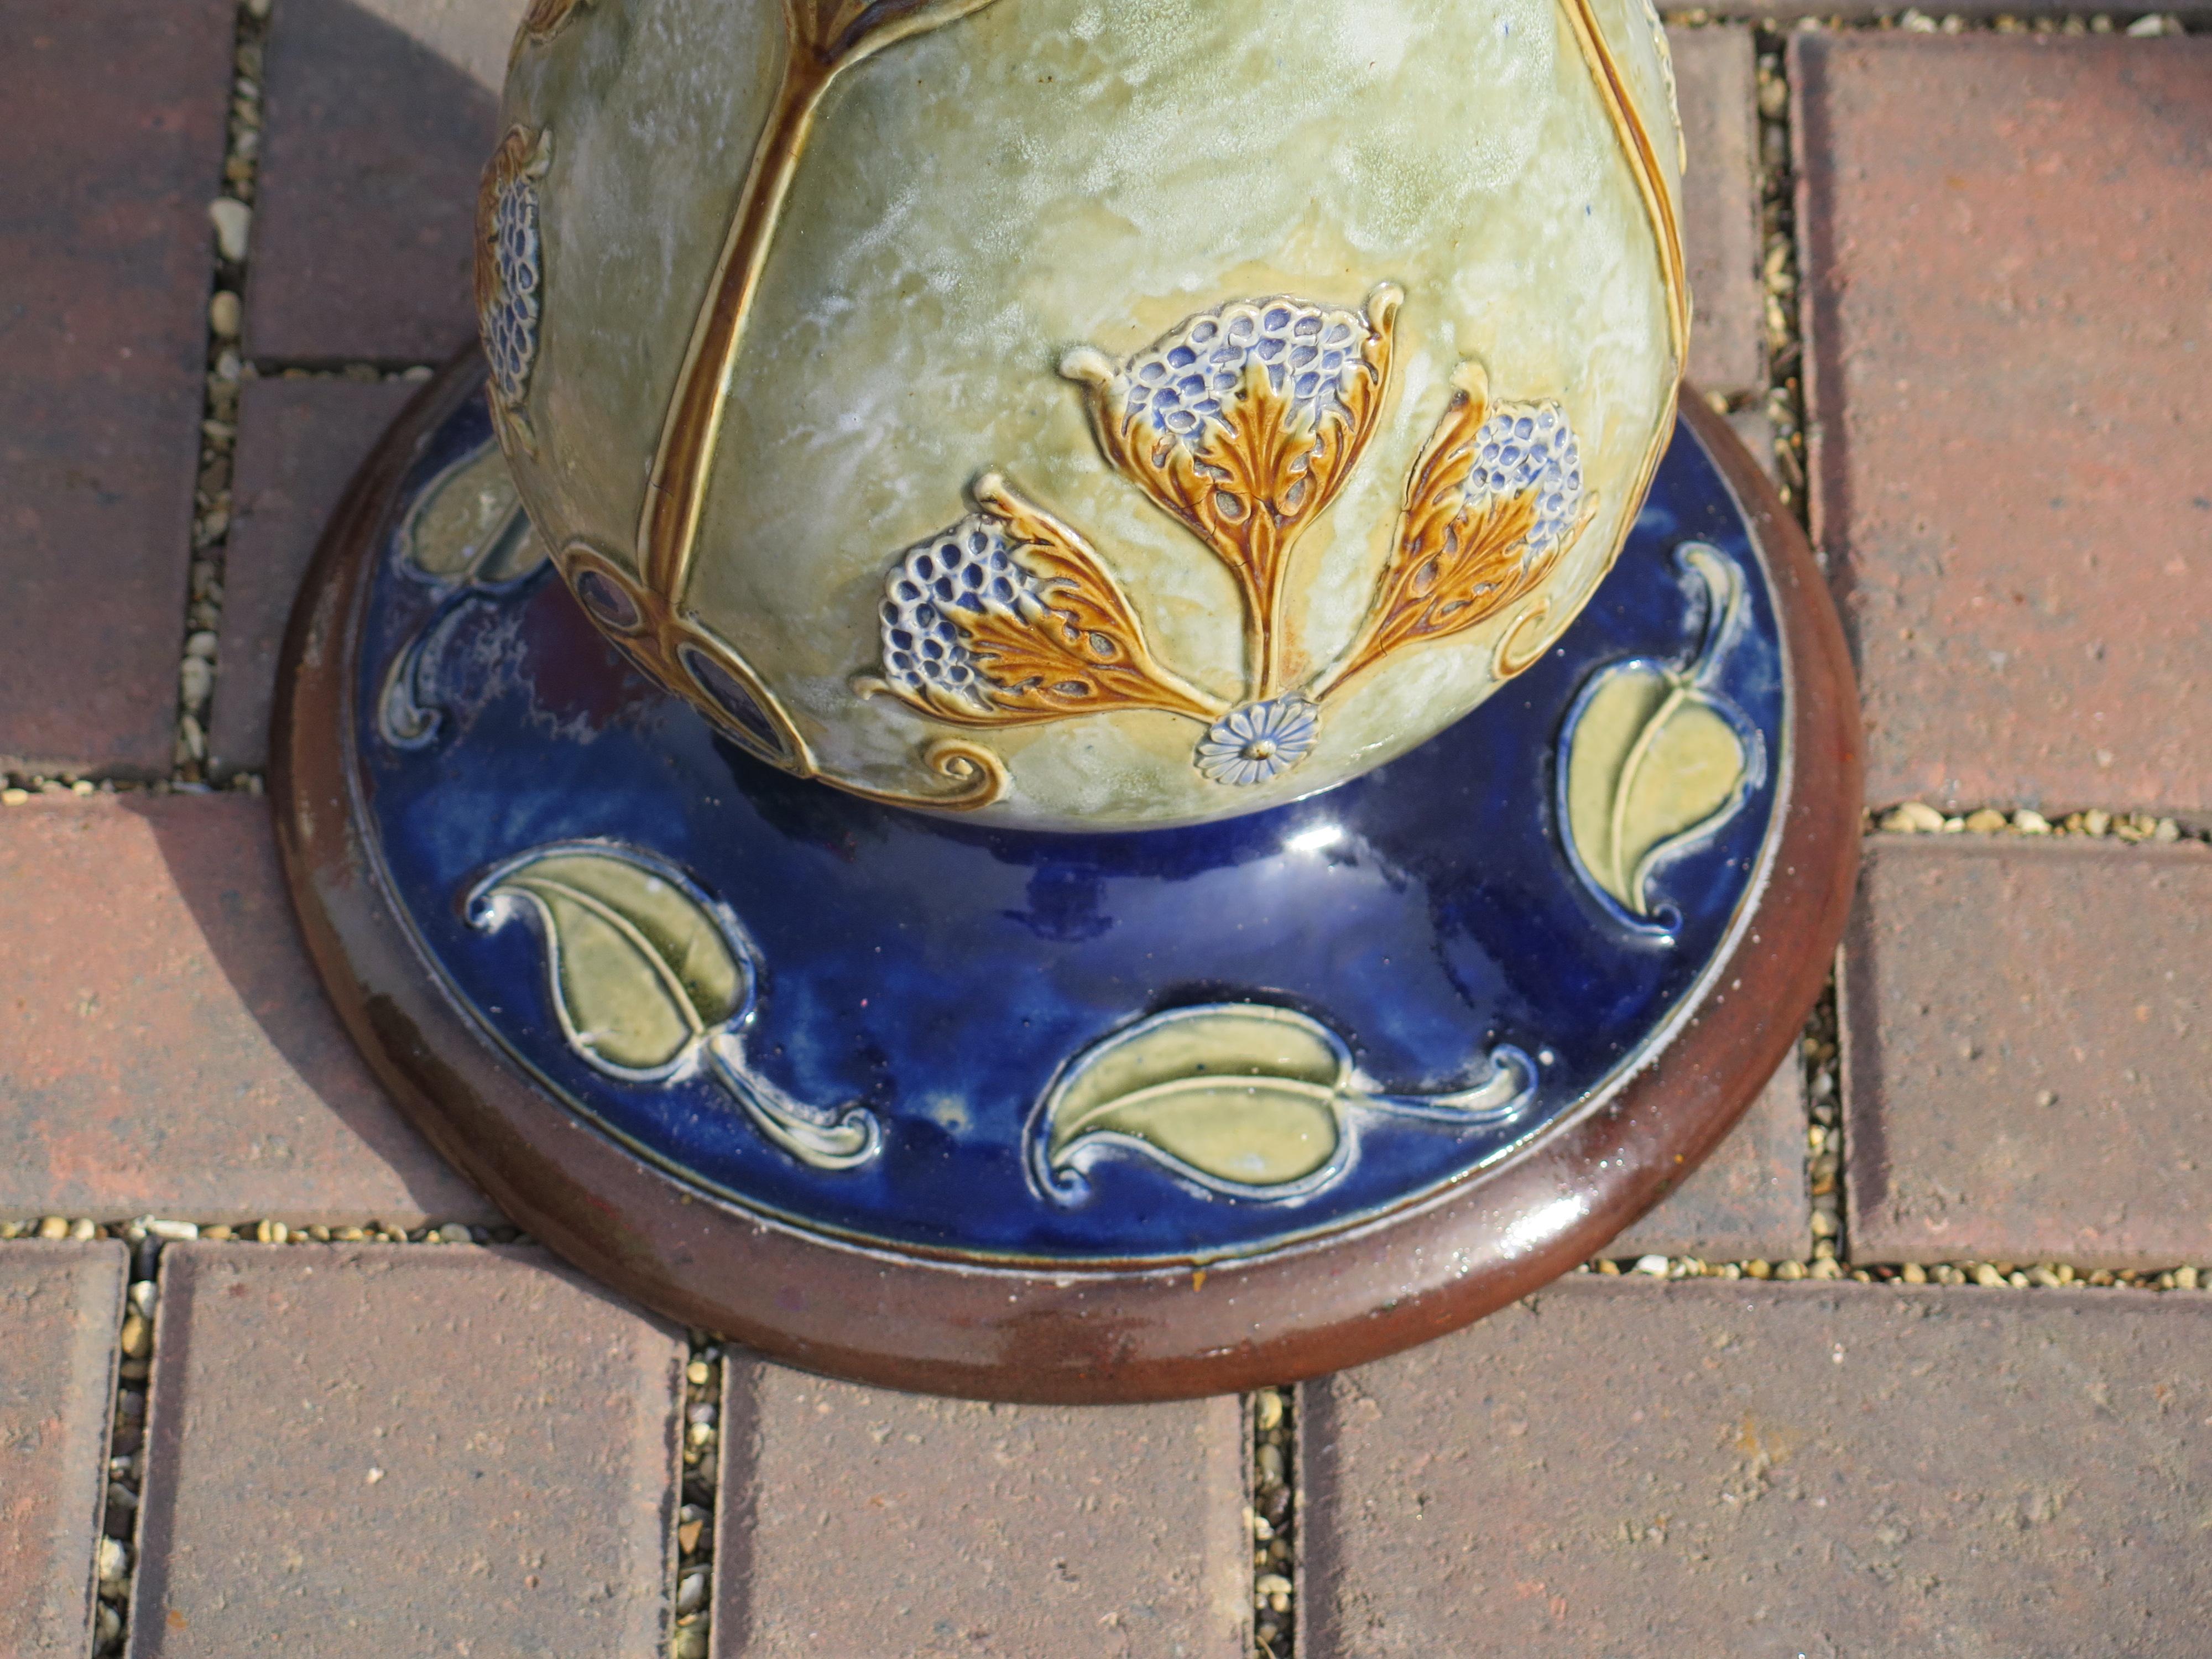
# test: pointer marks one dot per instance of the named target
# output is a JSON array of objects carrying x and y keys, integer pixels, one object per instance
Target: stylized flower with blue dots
[
  {"x": 1185, "y": 382},
  {"x": 1525, "y": 449},
  {"x": 1260, "y": 741},
  {"x": 969, "y": 569},
  {"x": 1243, "y": 423},
  {"x": 510, "y": 264},
  {"x": 1494, "y": 502}
]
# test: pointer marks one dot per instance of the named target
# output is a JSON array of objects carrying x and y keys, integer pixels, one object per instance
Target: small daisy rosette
[{"x": 1260, "y": 741}]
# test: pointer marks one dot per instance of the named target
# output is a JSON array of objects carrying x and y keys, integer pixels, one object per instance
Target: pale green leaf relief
[
  {"x": 468, "y": 526},
  {"x": 1654, "y": 757},
  {"x": 1652, "y": 761},
  {"x": 646, "y": 977},
  {"x": 1238, "y": 1096},
  {"x": 640, "y": 968}
]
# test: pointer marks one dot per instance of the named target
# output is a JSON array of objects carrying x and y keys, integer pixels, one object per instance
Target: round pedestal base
[{"x": 1032, "y": 1116}]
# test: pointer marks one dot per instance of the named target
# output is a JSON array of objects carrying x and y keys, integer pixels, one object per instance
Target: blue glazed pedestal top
[{"x": 911, "y": 1032}]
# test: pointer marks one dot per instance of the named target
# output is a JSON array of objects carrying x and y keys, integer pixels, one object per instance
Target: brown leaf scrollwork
[
  {"x": 1495, "y": 500},
  {"x": 837, "y": 33},
  {"x": 545, "y": 19},
  {"x": 1244, "y": 424},
  {"x": 1008, "y": 618}
]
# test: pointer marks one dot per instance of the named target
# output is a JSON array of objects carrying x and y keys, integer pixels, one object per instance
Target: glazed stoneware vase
[
  {"x": 1067, "y": 712},
  {"x": 1085, "y": 415}
]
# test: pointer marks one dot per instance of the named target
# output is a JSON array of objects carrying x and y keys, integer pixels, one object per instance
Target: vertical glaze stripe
[
  {"x": 1543, "y": 619},
  {"x": 822, "y": 39}
]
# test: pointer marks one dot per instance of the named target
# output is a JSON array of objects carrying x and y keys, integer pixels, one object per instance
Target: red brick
[
  {"x": 1748, "y": 1201},
  {"x": 2026, "y": 1050},
  {"x": 298, "y": 443},
  {"x": 106, "y": 255},
  {"x": 402, "y": 1450},
  {"x": 879, "y": 1526},
  {"x": 60, "y": 1308},
  {"x": 1718, "y": 93},
  {"x": 169, "y": 1049},
  {"x": 2007, "y": 259},
  {"x": 1717, "y": 1469},
  {"x": 381, "y": 115}
]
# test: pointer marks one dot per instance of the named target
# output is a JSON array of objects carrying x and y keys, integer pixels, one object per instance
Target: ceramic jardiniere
[{"x": 1084, "y": 415}]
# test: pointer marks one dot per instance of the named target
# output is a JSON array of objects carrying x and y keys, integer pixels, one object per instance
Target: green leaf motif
[
  {"x": 647, "y": 978},
  {"x": 1241, "y": 1098},
  {"x": 1654, "y": 759},
  {"x": 640, "y": 971},
  {"x": 467, "y": 536},
  {"x": 1653, "y": 762},
  {"x": 468, "y": 525}
]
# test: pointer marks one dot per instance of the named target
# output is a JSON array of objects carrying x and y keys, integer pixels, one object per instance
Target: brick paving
[
  {"x": 1713, "y": 71},
  {"x": 880, "y": 1526},
  {"x": 61, "y": 1306},
  {"x": 299, "y": 445},
  {"x": 169, "y": 1049},
  {"x": 105, "y": 269},
  {"x": 1726, "y": 1468},
  {"x": 2027, "y": 1041},
  {"x": 397, "y": 1449},
  {"x": 2007, "y": 223},
  {"x": 1748, "y": 1203},
  {"x": 2009, "y": 397},
  {"x": 379, "y": 117}
]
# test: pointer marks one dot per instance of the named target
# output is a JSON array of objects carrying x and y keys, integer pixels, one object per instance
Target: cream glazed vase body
[{"x": 1085, "y": 415}]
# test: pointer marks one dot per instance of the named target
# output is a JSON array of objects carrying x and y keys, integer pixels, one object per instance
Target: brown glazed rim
[{"x": 1025, "y": 1333}]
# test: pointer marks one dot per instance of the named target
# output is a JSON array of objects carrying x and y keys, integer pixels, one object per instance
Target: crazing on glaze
[{"x": 1244, "y": 424}]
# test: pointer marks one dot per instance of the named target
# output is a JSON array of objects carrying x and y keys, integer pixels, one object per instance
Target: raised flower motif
[
  {"x": 1244, "y": 423},
  {"x": 1494, "y": 502},
  {"x": 1008, "y": 618},
  {"x": 1260, "y": 741},
  {"x": 968, "y": 568},
  {"x": 1528, "y": 449}
]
